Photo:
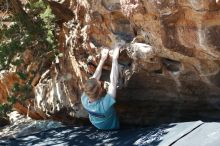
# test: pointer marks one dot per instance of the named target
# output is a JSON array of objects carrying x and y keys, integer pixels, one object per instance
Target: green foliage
[
  {"x": 16, "y": 87},
  {"x": 23, "y": 76},
  {"x": 17, "y": 62},
  {"x": 1, "y": 108},
  {"x": 37, "y": 5},
  {"x": 19, "y": 93},
  {"x": 46, "y": 21},
  {"x": 13, "y": 41},
  {"x": 7, "y": 107},
  {"x": 11, "y": 100},
  {"x": 34, "y": 29}
]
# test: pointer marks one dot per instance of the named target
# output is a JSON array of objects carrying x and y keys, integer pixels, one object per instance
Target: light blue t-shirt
[{"x": 101, "y": 112}]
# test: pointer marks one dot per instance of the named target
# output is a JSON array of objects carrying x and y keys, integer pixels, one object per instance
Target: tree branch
[{"x": 26, "y": 21}]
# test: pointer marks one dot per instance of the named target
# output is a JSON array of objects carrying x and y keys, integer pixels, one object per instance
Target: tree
[{"x": 32, "y": 26}]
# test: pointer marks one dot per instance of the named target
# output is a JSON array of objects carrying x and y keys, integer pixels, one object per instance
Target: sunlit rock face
[
  {"x": 170, "y": 61},
  {"x": 7, "y": 81},
  {"x": 170, "y": 58}
]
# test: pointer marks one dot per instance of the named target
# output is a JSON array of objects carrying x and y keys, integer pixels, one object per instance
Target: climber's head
[{"x": 93, "y": 88}]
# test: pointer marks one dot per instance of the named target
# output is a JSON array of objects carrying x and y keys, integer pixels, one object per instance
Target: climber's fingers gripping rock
[
  {"x": 104, "y": 53},
  {"x": 115, "y": 54}
]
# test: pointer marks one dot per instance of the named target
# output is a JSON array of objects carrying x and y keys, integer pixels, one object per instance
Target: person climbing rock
[{"x": 101, "y": 108}]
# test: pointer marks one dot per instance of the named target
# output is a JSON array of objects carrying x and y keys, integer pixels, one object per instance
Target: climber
[{"x": 101, "y": 108}]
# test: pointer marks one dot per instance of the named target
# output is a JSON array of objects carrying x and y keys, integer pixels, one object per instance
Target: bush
[{"x": 33, "y": 28}]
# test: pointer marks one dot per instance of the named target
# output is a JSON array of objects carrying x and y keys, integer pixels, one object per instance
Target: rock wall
[
  {"x": 170, "y": 60},
  {"x": 171, "y": 56}
]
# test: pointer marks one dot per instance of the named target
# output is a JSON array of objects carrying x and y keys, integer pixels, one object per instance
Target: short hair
[{"x": 91, "y": 88}]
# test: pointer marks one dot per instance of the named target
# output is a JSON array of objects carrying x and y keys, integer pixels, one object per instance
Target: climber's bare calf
[{"x": 100, "y": 108}]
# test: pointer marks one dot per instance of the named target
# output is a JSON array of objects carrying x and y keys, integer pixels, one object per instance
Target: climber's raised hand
[
  {"x": 98, "y": 71},
  {"x": 104, "y": 53},
  {"x": 115, "y": 54},
  {"x": 119, "y": 43}
]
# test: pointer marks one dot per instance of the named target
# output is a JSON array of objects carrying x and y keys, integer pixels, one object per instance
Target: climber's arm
[
  {"x": 114, "y": 73},
  {"x": 98, "y": 71}
]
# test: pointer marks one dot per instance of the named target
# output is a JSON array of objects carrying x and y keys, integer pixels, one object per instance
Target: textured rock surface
[
  {"x": 7, "y": 80},
  {"x": 171, "y": 57},
  {"x": 171, "y": 54}
]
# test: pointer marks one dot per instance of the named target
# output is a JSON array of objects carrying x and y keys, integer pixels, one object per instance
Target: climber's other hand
[
  {"x": 104, "y": 53},
  {"x": 119, "y": 43},
  {"x": 115, "y": 54}
]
